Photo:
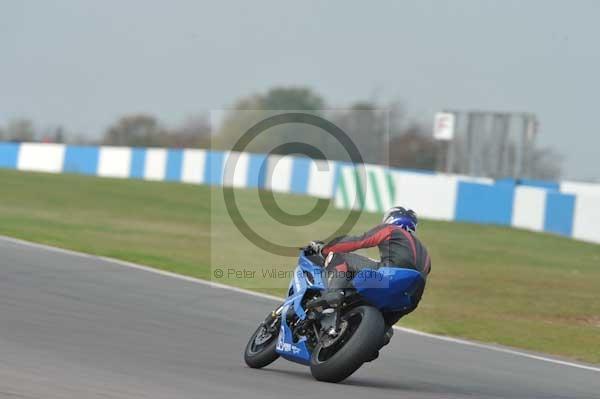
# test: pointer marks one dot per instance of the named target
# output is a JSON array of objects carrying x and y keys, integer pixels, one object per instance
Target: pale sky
[{"x": 82, "y": 64}]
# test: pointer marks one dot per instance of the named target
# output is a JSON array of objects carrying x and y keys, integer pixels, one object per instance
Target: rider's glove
[{"x": 316, "y": 247}]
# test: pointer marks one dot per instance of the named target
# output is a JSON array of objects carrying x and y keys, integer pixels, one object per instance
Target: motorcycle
[{"x": 334, "y": 331}]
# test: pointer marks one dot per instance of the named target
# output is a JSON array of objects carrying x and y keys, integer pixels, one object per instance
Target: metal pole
[
  {"x": 501, "y": 129},
  {"x": 439, "y": 145},
  {"x": 470, "y": 144},
  {"x": 523, "y": 152},
  {"x": 530, "y": 134},
  {"x": 450, "y": 145}
]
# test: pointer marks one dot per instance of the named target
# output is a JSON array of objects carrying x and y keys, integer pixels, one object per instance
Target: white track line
[{"x": 274, "y": 298}]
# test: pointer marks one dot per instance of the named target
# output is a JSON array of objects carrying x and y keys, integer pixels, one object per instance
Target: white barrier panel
[
  {"x": 571, "y": 187},
  {"x": 156, "y": 163},
  {"x": 365, "y": 188},
  {"x": 41, "y": 157},
  {"x": 193, "y": 166},
  {"x": 114, "y": 162},
  {"x": 434, "y": 196},
  {"x": 471, "y": 179},
  {"x": 368, "y": 192},
  {"x": 347, "y": 193},
  {"x": 377, "y": 193},
  {"x": 279, "y": 173},
  {"x": 320, "y": 178},
  {"x": 529, "y": 206},
  {"x": 586, "y": 223},
  {"x": 235, "y": 169}
]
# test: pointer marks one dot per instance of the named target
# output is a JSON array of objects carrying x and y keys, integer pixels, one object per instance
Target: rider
[{"x": 398, "y": 246}]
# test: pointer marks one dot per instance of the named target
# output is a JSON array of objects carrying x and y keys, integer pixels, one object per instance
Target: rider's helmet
[{"x": 399, "y": 216}]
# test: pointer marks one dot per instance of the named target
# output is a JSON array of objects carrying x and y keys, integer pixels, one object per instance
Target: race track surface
[{"x": 81, "y": 327}]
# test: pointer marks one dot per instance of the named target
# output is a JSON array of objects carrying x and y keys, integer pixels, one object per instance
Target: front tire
[
  {"x": 260, "y": 350},
  {"x": 358, "y": 344}
]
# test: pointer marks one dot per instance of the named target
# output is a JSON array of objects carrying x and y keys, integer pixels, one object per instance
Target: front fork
[
  {"x": 276, "y": 313},
  {"x": 272, "y": 320}
]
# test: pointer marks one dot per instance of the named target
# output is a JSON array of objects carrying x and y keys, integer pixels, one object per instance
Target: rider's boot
[{"x": 387, "y": 337}]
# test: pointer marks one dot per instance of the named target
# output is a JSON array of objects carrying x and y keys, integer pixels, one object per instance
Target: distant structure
[{"x": 484, "y": 143}]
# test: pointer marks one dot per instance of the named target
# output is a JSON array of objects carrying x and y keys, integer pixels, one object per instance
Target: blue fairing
[
  {"x": 388, "y": 288},
  {"x": 286, "y": 347}
]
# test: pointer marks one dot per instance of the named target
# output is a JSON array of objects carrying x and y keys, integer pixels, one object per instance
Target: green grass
[{"x": 533, "y": 291}]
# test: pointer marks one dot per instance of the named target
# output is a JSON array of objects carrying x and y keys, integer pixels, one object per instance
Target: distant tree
[
  {"x": 292, "y": 98},
  {"x": 254, "y": 108},
  {"x": 193, "y": 133},
  {"x": 367, "y": 126},
  {"x": 135, "y": 130},
  {"x": 413, "y": 149},
  {"x": 20, "y": 130}
]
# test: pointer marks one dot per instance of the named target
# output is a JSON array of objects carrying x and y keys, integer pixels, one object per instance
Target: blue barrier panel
[
  {"x": 9, "y": 155},
  {"x": 300, "y": 169},
  {"x": 213, "y": 170},
  {"x": 174, "y": 165},
  {"x": 560, "y": 213},
  {"x": 549, "y": 185},
  {"x": 80, "y": 159},
  {"x": 257, "y": 167},
  {"x": 481, "y": 203},
  {"x": 138, "y": 163}
]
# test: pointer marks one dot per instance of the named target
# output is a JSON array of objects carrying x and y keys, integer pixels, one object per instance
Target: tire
[
  {"x": 263, "y": 355},
  {"x": 363, "y": 343}
]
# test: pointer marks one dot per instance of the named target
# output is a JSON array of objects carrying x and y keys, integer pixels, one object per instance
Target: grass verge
[{"x": 528, "y": 290}]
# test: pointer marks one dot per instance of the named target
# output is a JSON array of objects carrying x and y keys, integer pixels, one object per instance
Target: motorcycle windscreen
[{"x": 389, "y": 288}]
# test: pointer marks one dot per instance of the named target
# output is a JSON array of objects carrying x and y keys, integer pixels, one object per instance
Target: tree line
[{"x": 382, "y": 133}]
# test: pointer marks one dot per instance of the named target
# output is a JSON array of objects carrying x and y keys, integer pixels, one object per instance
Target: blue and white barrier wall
[
  {"x": 286, "y": 174},
  {"x": 537, "y": 206},
  {"x": 567, "y": 208},
  {"x": 376, "y": 188}
]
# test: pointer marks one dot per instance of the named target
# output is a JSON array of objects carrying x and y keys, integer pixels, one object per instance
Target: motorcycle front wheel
[
  {"x": 358, "y": 342},
  {"x": 260, "y": 350}
]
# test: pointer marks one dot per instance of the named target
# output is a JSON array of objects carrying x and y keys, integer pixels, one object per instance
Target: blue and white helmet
[{"x": 399, "y": 216}]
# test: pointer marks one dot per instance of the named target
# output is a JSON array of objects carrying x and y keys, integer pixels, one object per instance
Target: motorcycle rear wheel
[{"x": 358, "y": 343}]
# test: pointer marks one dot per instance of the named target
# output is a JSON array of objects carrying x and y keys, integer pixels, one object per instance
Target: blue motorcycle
[{"x": 334, "y": 331}]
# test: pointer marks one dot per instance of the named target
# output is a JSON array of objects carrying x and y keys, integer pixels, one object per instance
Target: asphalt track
[{"x": 75, "y": 326}]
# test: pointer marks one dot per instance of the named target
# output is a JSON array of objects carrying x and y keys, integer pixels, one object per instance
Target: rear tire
[
  {"x": 364, "y": 341},
  {"x": 258, "y": 356}
]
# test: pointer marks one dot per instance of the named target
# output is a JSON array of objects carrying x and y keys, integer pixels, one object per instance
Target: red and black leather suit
[{"x": 397, "y": 247}]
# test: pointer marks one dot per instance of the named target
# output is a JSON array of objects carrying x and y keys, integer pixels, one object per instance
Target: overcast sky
[{"x": 82, "y": 63}]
